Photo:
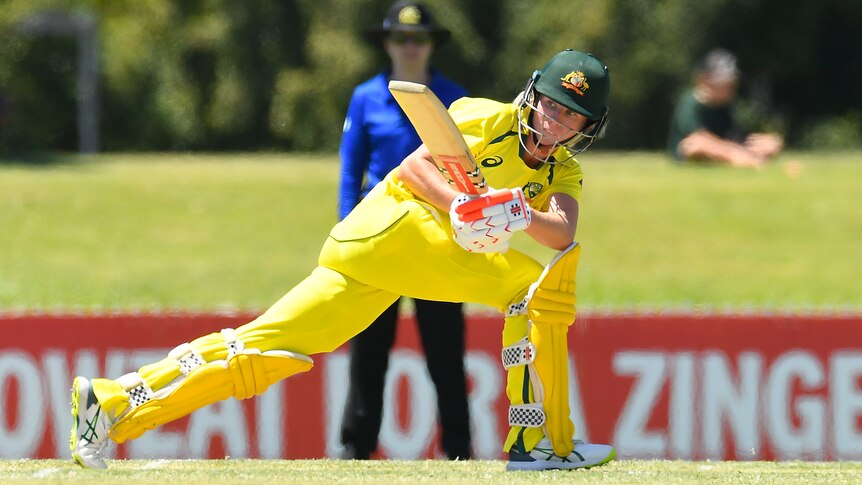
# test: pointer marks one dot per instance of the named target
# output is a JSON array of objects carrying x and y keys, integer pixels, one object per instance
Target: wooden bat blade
[{"x": 440, "y": 134}]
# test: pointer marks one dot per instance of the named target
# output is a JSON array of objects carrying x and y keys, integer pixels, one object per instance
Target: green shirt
[{"x": 690, "y": 116}]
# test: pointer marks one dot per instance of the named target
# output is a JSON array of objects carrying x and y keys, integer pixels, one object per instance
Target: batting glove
[
  {"x": 507, "y": 205},
  {"x": 485, "y": 224}
]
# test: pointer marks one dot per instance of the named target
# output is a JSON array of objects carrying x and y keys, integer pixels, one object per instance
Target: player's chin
[
  {"x": 545, "y": 149},
  {"x": 551, "y": 139}
]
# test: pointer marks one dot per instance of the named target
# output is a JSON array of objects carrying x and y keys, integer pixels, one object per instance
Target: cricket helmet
[{"x": 576, "y": 80}]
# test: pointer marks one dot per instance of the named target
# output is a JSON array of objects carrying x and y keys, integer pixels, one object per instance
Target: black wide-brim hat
[{"x": 408, "y": 17}]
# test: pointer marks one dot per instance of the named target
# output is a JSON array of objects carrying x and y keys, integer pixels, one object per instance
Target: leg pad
[
  {"x": 551, "y": 310},
  {"x": 244, "y": 374}
]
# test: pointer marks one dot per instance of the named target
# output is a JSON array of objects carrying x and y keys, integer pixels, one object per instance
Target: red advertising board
[{"x": 738, "y": 387}]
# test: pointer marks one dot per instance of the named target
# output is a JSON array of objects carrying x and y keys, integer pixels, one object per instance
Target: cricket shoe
[
  {"x": 542, "y": 457},
  {"x": 90, "y": 425}
]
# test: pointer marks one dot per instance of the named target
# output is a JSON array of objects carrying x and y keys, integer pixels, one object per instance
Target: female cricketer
[{"x": 415, "y": 235}]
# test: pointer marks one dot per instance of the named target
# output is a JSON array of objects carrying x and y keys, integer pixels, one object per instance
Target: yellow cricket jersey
[{"x": 490, "y": 129}]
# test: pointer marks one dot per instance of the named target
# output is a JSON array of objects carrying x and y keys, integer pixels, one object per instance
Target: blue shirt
[{"x": 378, "y": 135}]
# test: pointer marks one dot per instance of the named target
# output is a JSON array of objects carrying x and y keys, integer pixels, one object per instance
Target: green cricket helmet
[{"x": 578, "y": 81}]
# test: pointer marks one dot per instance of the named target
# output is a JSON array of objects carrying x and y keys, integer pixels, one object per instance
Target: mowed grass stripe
[{"x": 634, "y": 472}]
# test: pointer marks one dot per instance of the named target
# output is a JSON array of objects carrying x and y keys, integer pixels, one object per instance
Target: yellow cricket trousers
[{"x": 387, "y": 247}]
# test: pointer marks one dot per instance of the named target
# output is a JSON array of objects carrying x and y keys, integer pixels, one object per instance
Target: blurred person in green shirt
[{"x": 702, "y": 128}]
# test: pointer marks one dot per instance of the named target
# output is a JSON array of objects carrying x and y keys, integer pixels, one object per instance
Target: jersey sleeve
[
  {"x": 566, "y": 179},
  {"x": 684, "y": 121},
  {"x": 687, "y": 119},
  {"x": 354, "y": 154}
]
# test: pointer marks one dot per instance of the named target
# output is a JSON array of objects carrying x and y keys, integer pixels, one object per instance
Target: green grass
[
  {"x": 206, "y": 232},
  {"x": 162, "y": 231},
  {"x": 214, "y": 472}
]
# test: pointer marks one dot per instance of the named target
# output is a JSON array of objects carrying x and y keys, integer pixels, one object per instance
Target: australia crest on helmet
[{"x": 575, "y": 81}]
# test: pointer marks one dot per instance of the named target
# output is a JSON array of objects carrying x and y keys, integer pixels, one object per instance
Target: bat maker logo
[
  {"x": 575, "y": 81},
  {"x": 515, "y": 210}
]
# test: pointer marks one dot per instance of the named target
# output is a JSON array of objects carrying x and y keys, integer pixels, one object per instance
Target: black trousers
[{"x": 441, "y": 328}]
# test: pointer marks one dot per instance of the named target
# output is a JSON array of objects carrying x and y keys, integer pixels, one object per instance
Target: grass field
[
  {"x": 206, "y": 232},
  {"x": 216, "y": 472}
]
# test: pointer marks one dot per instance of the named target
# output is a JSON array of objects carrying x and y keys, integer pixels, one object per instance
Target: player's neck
[{"x": 414, "y": 74}]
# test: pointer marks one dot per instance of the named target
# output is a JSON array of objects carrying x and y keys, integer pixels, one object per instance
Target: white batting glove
[
  {"x": 485, "y": 224},
  {"x": 478, "y": 239},
  {"x": 497, "y": 206}
]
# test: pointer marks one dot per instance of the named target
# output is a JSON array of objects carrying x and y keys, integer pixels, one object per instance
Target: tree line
[{"x": 277, "y": 74}]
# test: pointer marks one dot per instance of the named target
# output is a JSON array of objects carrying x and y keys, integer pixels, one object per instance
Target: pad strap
[
  {"x": 234, "y": 345},
  {"x": 139, "y": 392},
  {"x": 519, "y": 308},
  {"x": 527, "y": 415},
  {"x": 187, "y": 358},
  {"x": 522, "y": 352}
]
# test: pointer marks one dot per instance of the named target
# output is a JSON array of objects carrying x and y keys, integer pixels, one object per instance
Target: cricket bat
[{"x": 440, "y": 134}]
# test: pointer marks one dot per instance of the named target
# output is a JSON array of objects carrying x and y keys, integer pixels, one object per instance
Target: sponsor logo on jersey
[
  {"x": 492, "y": 161},
  {"x": 575, "y": 81},
  {"x": 532, "y": 189}
]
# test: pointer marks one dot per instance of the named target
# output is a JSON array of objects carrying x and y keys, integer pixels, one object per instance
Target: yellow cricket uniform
[{"x": 395, "y": 244}]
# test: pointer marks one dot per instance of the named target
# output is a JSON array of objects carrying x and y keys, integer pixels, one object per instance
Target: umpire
[{"x": 377, "y": 136}]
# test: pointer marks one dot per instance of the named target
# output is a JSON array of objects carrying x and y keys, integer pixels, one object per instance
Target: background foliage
[{"x": 277, "y": 74}]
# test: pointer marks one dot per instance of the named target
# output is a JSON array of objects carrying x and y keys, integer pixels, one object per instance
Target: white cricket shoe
[
  {"x": 542, "y": 457},
  {"x": 90, "y": 426}
]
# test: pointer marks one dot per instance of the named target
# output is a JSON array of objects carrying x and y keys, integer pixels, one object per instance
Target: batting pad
[
  {"x": 551, "y": 310},
  {"x": 244, "y": 374}
]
